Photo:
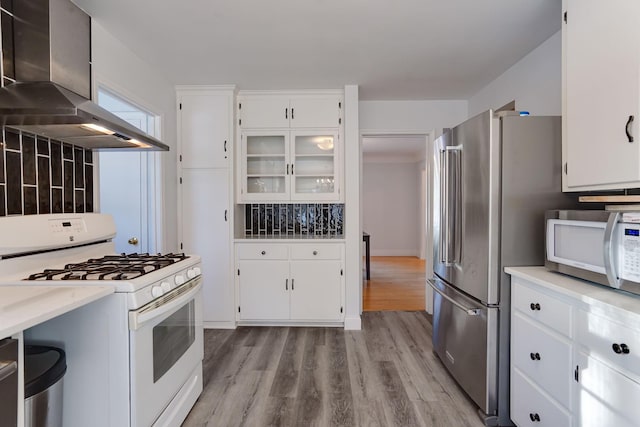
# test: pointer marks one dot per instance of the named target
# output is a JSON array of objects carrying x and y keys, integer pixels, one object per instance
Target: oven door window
[{"x": 172, "y": 338}]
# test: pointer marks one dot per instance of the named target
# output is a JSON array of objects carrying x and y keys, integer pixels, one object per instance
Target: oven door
[{"x": 166, "y": 338}]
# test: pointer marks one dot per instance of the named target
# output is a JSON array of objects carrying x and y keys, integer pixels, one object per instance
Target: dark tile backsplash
[
  {"x": 304, "y": 220},
  {"x": 39, "y": 176}
]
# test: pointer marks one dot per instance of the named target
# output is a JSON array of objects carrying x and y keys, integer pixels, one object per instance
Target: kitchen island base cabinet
[{"x": 290, "y": 283}]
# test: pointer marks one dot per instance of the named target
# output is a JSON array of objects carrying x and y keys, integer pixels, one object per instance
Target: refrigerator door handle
[
  {"x": 450, "y": 212},
  {"x": 444, "y": 208},
  {"x": 608, "y": 250},
  {"x": 469, "y": 311}
]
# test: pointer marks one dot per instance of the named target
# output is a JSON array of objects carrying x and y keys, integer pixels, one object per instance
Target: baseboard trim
[
  {"x": 352, "y": 323},
  {"x": 219, "y": 325}
]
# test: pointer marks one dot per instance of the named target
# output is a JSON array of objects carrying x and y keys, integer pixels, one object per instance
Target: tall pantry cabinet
[{"x": 205, "y": 137}]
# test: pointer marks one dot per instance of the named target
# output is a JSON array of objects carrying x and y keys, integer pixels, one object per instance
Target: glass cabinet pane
[
  {"x": 266, "y": 144},
  {"x": 315, "y": 184},
  {"x": 314, "y": 145},
  {"x": 272, "y": 184},
  {"x": 265, "y": 165}
]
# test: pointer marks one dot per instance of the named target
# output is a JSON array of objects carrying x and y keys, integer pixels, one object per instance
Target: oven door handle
[{"x": 164, "y": 304}]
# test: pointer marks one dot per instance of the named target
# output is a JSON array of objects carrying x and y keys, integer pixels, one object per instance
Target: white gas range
[{"x": 134, "y": 357}]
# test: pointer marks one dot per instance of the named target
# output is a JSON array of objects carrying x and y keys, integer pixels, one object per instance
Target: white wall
[
  {"x": 535, "y": 82},
  {"x": 391, "y": 207},
  {"x": 422, "y": 116},
  {"x": 119, "y": 69}
]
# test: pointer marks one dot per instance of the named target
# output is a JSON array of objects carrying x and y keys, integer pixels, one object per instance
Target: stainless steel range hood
[{"x": 51, "y": 96}]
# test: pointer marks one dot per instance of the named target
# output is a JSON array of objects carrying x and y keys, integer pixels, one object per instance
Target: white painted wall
[
  {"x": 118, "y": 68},
  {"x": 391, "y": 207},
  {"x": 535, "y": 82},
  {"x": 421, "y": 116}
]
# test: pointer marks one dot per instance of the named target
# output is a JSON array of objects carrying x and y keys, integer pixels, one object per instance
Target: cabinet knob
[
  {"x": 534, "y": 417},
  {"x": 263, "y": 252},
  {"x": 534, "y": 356},
  {"x": 535, "y": 306},
  {"x": 315, "y": 252},
  {"x": 620, "y": 348}
]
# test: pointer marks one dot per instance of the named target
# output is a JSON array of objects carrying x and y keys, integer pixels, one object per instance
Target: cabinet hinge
[
  {"x": 341, "y": 309},
  {"x": 340, "y": 121},
  {"x": 181, "y": 105},
  {"x": 238, "y": 272},
  {"x": 238, "y": 309},
  {"x": 565, "y": 17},
  {"x": 180, "y": 157},
  {"x": 339, "y": 104},
  {"x": 576, "y": 374},
  {"x": 180, "y": 180},
  {"x": 181, "y": 246},
  {"x": 341, "y": 272},
  {"x": 239, "y": 105}
]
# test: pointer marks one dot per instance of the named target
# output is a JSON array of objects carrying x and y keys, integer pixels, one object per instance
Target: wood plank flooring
[
  {"x": 384, "y": 375},
  {"x": 397, "y": 283}
]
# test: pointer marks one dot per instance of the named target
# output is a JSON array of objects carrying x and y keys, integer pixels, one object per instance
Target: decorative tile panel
[
  {"x": 294, "y": 220},
  {"x": 40, "y": 176}
]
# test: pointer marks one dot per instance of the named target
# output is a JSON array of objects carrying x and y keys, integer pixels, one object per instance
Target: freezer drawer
[{"x": 465, "y": 339}]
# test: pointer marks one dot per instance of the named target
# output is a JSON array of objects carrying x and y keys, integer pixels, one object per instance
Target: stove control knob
[
  {"x": 166, "y": 286},
  {"x": 197, "y": 271},
  {"x": 179, "y": 279},
  {"x": 191, "y": 273},
  {"x": 156, "y": 291}
]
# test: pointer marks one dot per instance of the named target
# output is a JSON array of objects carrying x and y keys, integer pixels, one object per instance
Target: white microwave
[{"x": 599, "y": 246}]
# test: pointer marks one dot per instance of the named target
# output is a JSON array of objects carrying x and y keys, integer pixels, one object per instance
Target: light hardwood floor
[
  {"x": 397, "y": 283},
  {"x": 384, "y": 375}
]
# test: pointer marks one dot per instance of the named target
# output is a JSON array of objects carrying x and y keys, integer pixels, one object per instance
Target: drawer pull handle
[
  {"x": 620, "y": 348},
  {"x": 534, "y": 356},
  {"x": 263, "y": 252},
  {"x": 286, "y": 284},
  {"x": 534, "y": 417},
  {"x": 315, "y": 252},
  {"x": 535, "y": 306}
]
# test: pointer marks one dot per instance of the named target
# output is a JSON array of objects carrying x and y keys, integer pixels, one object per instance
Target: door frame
[
  {"x": 426, "y": 216},
  {"x": 153, "y": 217}
]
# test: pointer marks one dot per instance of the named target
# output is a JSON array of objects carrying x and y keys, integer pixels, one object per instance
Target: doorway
[
  {"x": 395, "y": 215},
  {"x": 128, "y": 182}
]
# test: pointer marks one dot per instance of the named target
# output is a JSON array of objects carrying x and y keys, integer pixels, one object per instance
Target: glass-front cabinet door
[
  {"x": 314, "y": 165},
  {"x": 265, "y": 168}
]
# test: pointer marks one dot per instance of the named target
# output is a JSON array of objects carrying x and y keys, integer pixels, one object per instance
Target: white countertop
[
  {"x": 606, "y": 299},
  {"x": 23, "y": 306}
]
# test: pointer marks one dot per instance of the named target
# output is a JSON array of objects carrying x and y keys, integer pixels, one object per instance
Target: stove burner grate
[{"x": 110, "y": 267}]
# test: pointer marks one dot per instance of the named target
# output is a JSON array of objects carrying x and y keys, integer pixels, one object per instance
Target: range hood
[{"x": 52, "y": 93}]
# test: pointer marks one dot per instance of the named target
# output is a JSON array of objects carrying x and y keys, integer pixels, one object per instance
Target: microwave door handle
[{"x": 609, "y": 258}]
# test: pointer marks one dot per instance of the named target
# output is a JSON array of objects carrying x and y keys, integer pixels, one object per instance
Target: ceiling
[{"x": 409, "y": 49}]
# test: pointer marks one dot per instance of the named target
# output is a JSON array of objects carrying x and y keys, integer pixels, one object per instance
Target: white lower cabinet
[
  {"x": 290, "y": 282},
  {"x": 605, "y": 397},
  {"x": 575, "y": 352}
]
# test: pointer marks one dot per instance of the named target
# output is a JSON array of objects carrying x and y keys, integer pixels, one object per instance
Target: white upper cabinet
[
  {"x": 205, "y": 120},
  {"x": 270, "y": 110},
  {"x": 290, "y": 146},
  {"x": 601, "y": 94}
]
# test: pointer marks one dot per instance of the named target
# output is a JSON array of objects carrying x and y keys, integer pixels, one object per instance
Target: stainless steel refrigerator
[{"x": 494, "y": 179}]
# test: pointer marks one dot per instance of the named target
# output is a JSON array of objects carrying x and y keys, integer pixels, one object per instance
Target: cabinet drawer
[
  {"x": 543, "y": 308},
  {"x": 316, "y": 251},
  {"x": 542, "y": 356},
  {"x": 531, "y": 407},
  {"x": 599, "y": 335},
  {"x": 262, "y": 251}
]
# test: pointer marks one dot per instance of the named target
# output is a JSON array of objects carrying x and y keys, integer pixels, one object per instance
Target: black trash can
[{"x": 44, "y": 369}]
